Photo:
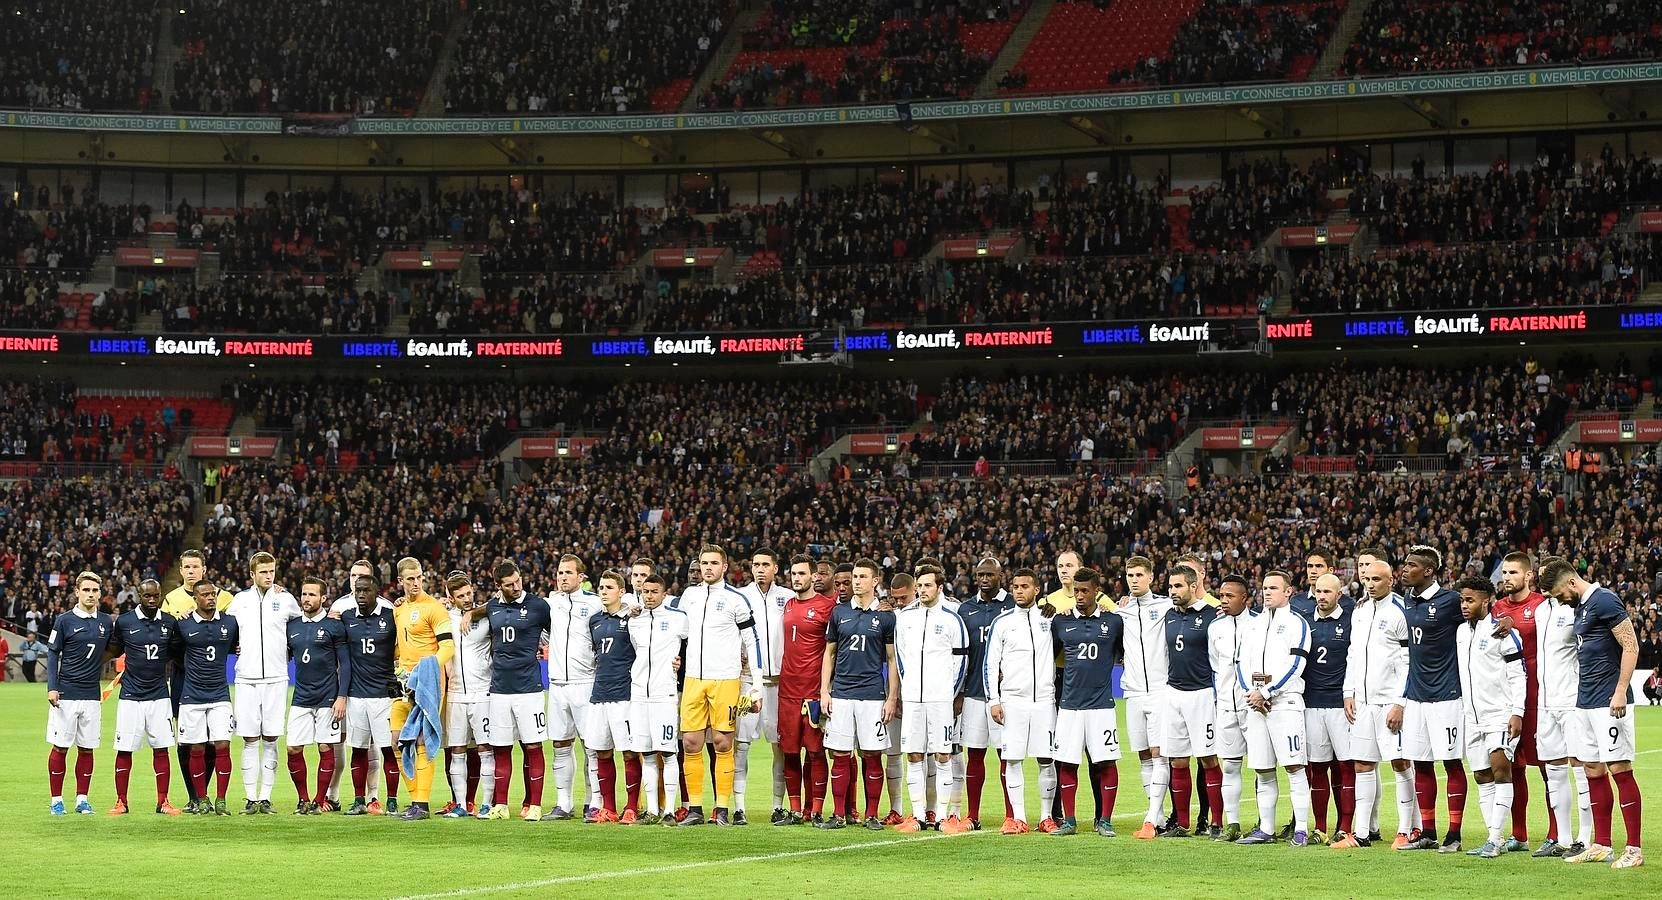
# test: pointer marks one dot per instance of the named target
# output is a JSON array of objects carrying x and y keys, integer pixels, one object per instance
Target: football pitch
[{"x": 281, "y": 856}]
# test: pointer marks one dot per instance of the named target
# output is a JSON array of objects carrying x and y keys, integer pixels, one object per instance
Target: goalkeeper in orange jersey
[{"x": 424, "y": 630}]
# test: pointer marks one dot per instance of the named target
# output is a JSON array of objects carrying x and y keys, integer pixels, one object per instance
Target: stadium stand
[
  {"x": 96, "y": 55},
  {"x": 1426, "y": 36}
]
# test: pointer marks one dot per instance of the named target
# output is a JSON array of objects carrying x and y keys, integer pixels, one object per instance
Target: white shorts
[
  {"x": 1082, "y": 734},
  {"x": 202, "y": 723},
  {"x": 1480, "y": 742},
  {"x": 1326, "y": 734},
  {"x": 606, "y": 727},
  {"x": 368, "y": 722},
  {"x": 1598, "y": 737},
  {"x": 857, "y": 725},
  {"x": 312, "y": 726},
  {"x": 566, "y": 705},
  {"x": 1552, "y": 734},
  {"x": 1029, "y": 730},
  {"x": 467, "y": 722},
  {"x": 260, "y": 708},
  {"x": 1231, "y": 743},
  {"x": 1142, "y": 720},
  {"x": 927, "y": 728},
  {"x": 516, "y": 719},
  {"x": 75, "y": 723},
  {"x": 1189, "y": 724},
  {"x": 976, "y": 729},
  {"x": 1434, "y": 732},
  {"x": 1371, "y": 740},
  {"x": 753, "y": 727},
  {"x": 143, "y": 723},
  {"x": 1275, "y": 739},
  {"x": 655, "y": 725}
]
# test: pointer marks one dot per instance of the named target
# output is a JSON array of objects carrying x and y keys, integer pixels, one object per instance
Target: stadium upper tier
[
  {"x": 1067, "y": 246},
  {"x": 531, "y": 57}
]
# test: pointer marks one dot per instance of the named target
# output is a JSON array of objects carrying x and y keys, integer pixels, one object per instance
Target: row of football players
[{"x": 1164, "y": 666}]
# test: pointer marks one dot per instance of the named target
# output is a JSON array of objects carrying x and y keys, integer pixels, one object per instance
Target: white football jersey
[
  {"x": 469, "y": 669},
  {"x": 658, "y": 635},
  {"x": 1558, "y": 671}
]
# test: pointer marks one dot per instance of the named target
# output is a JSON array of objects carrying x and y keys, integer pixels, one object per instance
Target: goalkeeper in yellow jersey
[{"x": 423, "y": 630}]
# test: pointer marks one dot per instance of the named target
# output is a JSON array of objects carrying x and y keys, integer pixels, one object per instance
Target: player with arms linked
[
  {"x": 322, "y": 678},
  {"x": 1089, "y": 640},
  {"x": 201, "y": 644},
  {"x": 143, "y": 717},
  {"x": 75, "y": 656}
]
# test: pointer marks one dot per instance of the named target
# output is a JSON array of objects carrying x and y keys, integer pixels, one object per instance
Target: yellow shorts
[{"x": 710, "y": 704}]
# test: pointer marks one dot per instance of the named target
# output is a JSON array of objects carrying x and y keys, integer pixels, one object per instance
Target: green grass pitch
[{"x": 148, "y": 856}]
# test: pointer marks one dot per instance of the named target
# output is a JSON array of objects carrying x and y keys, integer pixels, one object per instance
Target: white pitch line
[{"x": 678, "y": 867}]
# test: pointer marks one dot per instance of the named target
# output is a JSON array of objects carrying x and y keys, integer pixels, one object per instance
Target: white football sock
[
  {"x": 251, "y": 770},
  {"x": 1015, "y": 778},
  {"x": 918, "y": 787},
  {"x": 1558, "y": 800},
  {"x": 1584, "y": 806},
  {"x": 1269, "y": 794},
  {"x": 1486, "y": 806},
  {"x": 268, "y": 769},
  {"x": 593, "y": 764},
  {"x": 1047, "y": 789},
  {"x": 672, "y": 780},
  {"x": 1408, "y": 805},
  {"x": 487, "y": 776},
  {"x": 1233, "y": 785},
  {"x": 1367, "y": 803},
  {"x": 943, "y": 789},
  {"x": 341, "y": 765},
  {"x": 457, "y": 771},
  {"x": 778, "y": 778},
  {"x": 741, "y": 773},
  {"x": 565, "y": 773},
  {"x": 956, "y": 802},
  {"x": 1159, "y": 780},
  {"x": 649, "y": 782},
  {"x": 1298, "y": 783},
  {"x": 1504, "y": 795},
  {"x": 893, "y": 767},
  {"x": 1146, "y": 768}
]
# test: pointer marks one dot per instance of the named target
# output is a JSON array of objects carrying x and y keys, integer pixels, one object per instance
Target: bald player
[{"x": 1327, "y": 731}]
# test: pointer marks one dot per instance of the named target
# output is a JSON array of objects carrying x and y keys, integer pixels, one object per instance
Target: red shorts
[{"x": 796, "y": 734}]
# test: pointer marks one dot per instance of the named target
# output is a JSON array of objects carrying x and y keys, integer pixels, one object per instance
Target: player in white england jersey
[
  {"x": 467, "y": 705},
  {"x": 570, "y": 681},
  {"x": 723, "y": 638},
  {"x": 931, "y": 648},
  {"x": 1275, "y": 644},
  {"x": 1021, "y": 697},
  {"x": 659, "y": 634},
  {"x": 1493, "y": 684},
  {"x": 767, "y": 600},
  {"x": 1376, "y": 673},
  {"x": 1144, "y": 684},
  {"x": 1223, "y": 642},
  {"x": 1558, "y": 677},
  {"x": 261, "y": 701}
]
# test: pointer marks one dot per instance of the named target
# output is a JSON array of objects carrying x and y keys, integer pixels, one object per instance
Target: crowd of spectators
[
  {"x": 94, "y": 55},
  {"x": 1552, "y": 200},
  {"x": 548, "y": 57},
  {"x": 1429, "y": 36},
  {"x": 1398, "y": 410},
  {"x": 1477, "y": 276},
  {"x": 121, "y": 526},
  {"x": 889, "y": 52},
  {"x": 65, "y": 238},
  {"x": 306, "y": 56},
  {"x": 1230, "y": 41},
  {"x": 264, "y": 304}
]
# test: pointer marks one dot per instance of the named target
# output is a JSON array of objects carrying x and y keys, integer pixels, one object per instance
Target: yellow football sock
[
  {"x": 421, "y": 786},
  {"x": 724, "y": 777},
  {"x": 692, "y": 774}
]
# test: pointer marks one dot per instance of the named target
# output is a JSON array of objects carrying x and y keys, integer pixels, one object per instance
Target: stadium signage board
[
  {"x": 1070, "y": 104},
  {"x": 873, "y": 344},
  {"x": 925, "y": 111}
]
